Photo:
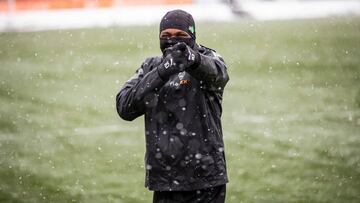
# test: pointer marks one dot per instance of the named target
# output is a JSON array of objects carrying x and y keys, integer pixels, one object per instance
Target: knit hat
[{"x": 179, "y": 19}]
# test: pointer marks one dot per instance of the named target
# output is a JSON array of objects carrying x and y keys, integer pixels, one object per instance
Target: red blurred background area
[{"x": 25, "y": 5}]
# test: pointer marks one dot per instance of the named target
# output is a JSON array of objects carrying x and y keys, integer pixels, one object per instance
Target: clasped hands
[{"x": 177, "y": 58}]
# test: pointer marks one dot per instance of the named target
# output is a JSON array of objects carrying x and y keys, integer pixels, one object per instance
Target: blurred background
[
  {"x": 57, "y": 14},
  {"x": 291, "y": 110}
]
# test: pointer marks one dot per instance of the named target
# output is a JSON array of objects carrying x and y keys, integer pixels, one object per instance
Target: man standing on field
[{"x": 180, "y": 94}]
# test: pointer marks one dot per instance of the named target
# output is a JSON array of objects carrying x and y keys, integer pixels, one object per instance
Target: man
[{"x": 180, "y": 94}]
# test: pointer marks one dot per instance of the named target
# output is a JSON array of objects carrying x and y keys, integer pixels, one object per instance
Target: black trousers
[{"x": 207, "y": 195}]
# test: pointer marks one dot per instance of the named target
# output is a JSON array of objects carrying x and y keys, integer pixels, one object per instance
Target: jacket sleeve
[
  {"x": 130, "y": 100},
  {"x": 211, "y": 71}
]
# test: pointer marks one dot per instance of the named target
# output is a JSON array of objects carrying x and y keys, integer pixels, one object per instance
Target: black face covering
[
  {"x": 177, "y": 19},
  {"x": 169, "y": 42}
]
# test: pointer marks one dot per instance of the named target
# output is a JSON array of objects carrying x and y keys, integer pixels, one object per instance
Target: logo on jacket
[
  {"x": 181, "y": 75},
  {"x": 181, "y": 78}
]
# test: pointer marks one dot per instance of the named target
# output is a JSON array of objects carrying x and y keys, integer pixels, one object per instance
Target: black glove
[
  {"x": 169, "y": 65},
  {"x": 184, "y": 56}
]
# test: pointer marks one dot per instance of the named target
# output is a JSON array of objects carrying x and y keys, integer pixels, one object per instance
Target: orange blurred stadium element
[
  {"x": 156, "y": 2},
  {"x": 26, "y": 5}
]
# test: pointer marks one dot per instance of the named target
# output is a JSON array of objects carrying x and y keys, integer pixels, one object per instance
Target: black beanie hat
[{"x": 179, "y": 19}]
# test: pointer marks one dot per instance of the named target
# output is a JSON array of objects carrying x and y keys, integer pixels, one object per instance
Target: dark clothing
[
  {"x": 208, "y": 195},
  {"x": 184, "y": 141}
]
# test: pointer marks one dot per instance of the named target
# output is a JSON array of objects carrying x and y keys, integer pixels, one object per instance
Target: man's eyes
[
  {"x": 166, "y": 35},
  {"x": 181, "y": 35},
  {"x": 175, "y": 35}
]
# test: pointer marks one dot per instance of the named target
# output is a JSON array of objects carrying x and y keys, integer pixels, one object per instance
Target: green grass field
[{"x": 291, "y": 112}]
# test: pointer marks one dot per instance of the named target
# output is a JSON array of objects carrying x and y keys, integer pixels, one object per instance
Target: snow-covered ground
[{"x": 260, "y": 10}]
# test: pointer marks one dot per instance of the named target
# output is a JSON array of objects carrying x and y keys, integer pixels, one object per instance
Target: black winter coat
[{"x": 184, "y": 141}]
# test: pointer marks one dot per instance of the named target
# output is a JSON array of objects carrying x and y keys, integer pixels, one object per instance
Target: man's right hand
[{"x": 169, "y": 66}]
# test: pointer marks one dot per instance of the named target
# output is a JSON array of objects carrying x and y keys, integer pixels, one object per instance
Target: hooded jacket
[{"x": 184, "y": 141}]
